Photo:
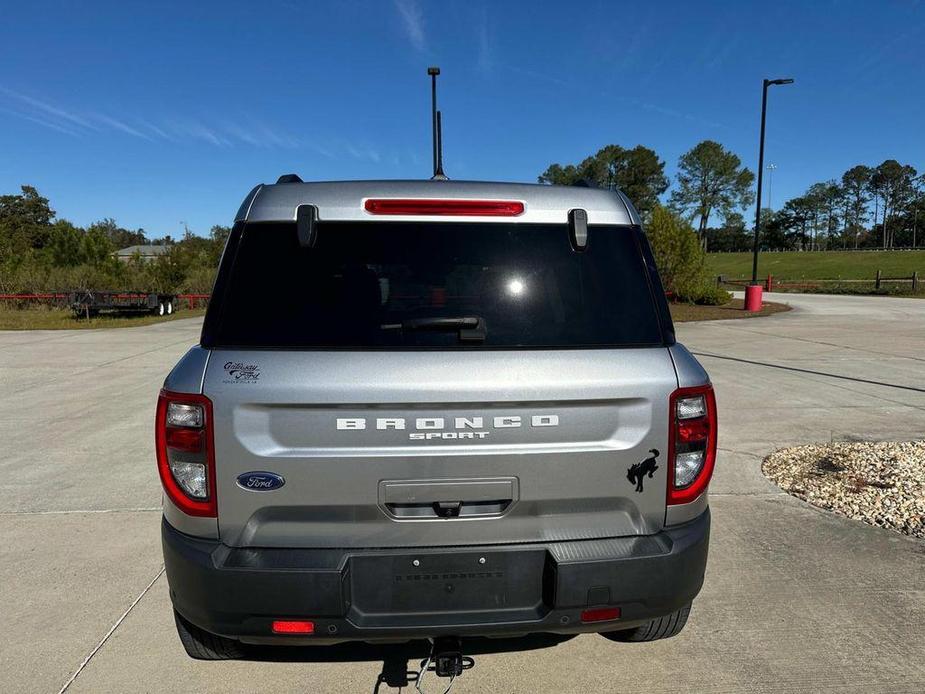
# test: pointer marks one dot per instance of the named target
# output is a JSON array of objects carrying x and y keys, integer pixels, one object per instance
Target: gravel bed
[{"x": 879, "y": 483}]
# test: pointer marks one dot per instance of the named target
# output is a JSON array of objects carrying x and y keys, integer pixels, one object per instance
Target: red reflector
[
  {"x": 189, "y": 440},
  {"x": 694, "y": 430},
  {"x": 460, "y": 208},
  {"x": 601, "y": 614},
  {"x": 293, "y": 627}
]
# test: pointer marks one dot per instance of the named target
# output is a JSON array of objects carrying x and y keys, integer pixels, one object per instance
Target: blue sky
[{"x": 162, "y": 113}]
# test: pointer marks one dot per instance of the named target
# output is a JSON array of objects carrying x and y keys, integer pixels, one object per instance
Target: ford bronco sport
[{"x": 433, "y": 409}]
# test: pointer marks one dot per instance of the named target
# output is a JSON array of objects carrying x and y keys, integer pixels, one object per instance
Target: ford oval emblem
[{"x": 260, "y": 481}]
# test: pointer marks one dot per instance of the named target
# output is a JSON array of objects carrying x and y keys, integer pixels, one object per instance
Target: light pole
[
  {"x": 753, "y": 297},
  {"x": 915, "y": 223},
  {"x": 770, "y": 168}
]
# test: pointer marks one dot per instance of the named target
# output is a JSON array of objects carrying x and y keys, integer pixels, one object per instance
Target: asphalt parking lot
[{"x": 795, "y": 600}]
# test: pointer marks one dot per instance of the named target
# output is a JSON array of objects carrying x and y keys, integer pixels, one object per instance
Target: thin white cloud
[
  {"x": 413, "y": 21},
  {"x": 277, "y": 138},
  {"x": 323, "y": 151},
  {"x": 160, "y": 132},
  {"x": 363, "y": 153},
  {"x": 116, "y": 124},
  {"x": 198, "y": 131},
  {"x": 223, "y": 134},
  {"x": 639, "y": 103},
  {"x": 243, "y": 135},
  {"x": 260, "y": 135},
  {"x": 39, "y": 121},
  {"x": 49, "y": 109}
]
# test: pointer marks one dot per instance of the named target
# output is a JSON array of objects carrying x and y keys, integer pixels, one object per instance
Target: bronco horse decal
[{"x": 647, "y": 467}]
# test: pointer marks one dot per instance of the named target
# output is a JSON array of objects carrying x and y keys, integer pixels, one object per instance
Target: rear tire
[
  {"x": 160, "y": 309},
  {"x": 202, "y": 645},
  {"x": 169, "y": 307},
  {"x": 661, "y": 628}
]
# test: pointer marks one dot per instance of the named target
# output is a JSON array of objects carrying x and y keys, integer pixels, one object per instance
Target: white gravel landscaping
[{"x": 879, "y": 483}]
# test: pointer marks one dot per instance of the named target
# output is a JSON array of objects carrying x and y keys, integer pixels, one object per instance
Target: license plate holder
[{"x": 445, "y": 583}]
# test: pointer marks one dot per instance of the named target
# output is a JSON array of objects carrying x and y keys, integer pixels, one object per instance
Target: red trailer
[{"x": 92, "y": 302}]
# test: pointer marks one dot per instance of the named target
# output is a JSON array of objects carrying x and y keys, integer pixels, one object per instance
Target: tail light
[
  {"x": 692, "y": 443},
  {"x": 185, "y": 457},
  {"x": 455, "y": 208}
]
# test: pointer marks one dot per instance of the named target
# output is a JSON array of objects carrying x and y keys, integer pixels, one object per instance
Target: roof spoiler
[{"x": 289, "y": 178}]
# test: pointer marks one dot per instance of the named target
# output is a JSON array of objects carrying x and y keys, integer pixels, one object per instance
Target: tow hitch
[{"x": 445, "y": 660}]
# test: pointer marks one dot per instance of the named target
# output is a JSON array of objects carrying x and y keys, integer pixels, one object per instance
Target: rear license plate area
[{"x": 456, "y": 587}]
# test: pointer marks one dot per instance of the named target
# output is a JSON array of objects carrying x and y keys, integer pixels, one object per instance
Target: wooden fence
[{"x": 770, "y": 283}]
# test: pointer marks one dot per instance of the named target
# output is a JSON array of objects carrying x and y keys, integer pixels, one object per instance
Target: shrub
[
  {"x": 680, "y": 259},
  {"x": 710, "y": 294}
]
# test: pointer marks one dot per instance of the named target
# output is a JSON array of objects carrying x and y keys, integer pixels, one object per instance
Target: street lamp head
[
  {"x": 787, "y": 80},
  {"x": 436, "y": 71}
]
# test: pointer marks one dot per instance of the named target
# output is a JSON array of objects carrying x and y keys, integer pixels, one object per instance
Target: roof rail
[{"x": 289, "y": 178}]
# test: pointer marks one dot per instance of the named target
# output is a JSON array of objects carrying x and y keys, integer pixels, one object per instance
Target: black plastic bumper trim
[{"x": 524, "y": 588}]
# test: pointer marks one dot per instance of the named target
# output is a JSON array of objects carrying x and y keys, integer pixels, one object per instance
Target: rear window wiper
[{"x": 471, "y": 328}]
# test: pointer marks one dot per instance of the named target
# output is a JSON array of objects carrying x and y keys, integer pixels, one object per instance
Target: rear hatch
[{"x": 519, "y": 418}]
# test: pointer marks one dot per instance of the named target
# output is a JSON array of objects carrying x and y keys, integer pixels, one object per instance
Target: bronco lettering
[
  {"x": 435, "y": 426},
  {"x": 438, "y": 423}
]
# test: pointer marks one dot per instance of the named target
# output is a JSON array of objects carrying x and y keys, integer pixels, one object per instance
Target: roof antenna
[
  {"x": 436, "y": 118},
  {"x": 438, "y": 174}
]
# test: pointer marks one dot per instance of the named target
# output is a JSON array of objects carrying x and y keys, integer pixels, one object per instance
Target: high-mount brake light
[
  {"x": 185, "y": 452},
  {"x": 691, "y": 443},
  {"x": 444, "y": 208}
]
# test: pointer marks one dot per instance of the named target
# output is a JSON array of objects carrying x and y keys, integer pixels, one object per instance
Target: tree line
[
  {"x": 711, "y": 180},
  {"x": 868, "y": 207},
  {"x": 41, "y": 253}
]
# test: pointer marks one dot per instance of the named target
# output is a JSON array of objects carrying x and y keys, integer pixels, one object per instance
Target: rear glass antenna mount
[{"x": 437, "y": 124}]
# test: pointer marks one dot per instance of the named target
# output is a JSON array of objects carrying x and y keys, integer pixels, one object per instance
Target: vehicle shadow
[{"x": 400, "y": 661}]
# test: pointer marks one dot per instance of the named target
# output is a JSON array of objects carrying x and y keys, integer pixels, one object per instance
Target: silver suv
[{"x": 428, "y": 409}]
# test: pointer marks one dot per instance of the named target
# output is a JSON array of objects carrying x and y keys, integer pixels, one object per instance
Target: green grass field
[{"x": 819, "y": 265}]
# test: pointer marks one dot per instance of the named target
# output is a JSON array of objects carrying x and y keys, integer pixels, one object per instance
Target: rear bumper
[{"x": 501, "y": 590}]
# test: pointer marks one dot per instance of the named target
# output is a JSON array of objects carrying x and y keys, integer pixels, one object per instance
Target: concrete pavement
[{"x": 796, "y": 599}]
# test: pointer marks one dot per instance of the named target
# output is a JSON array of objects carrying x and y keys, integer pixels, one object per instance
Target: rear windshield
[{"x": 381, "y": 285}]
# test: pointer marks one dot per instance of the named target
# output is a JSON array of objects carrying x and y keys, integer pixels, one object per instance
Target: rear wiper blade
[{"x": 471, "y": 328}]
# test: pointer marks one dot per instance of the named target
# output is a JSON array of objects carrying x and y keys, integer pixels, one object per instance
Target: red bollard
[{"x": 753, "y": 298}]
